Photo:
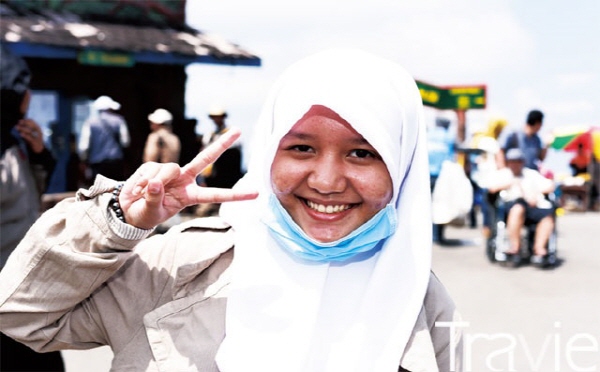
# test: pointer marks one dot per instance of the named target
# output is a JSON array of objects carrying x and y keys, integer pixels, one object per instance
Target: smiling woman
[
  {"x": 331, "y": 231},
  {"x": 340, "y": 231}
]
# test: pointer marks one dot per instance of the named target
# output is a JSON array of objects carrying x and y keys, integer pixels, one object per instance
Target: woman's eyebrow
[
  {"x": 292, "y": 134},
  {"x": 360, "y": 141}
]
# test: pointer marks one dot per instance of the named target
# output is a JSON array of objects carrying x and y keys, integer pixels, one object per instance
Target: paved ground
[
  {"x": 527, "y": 319},
  {"x": 521, "y": 319}
]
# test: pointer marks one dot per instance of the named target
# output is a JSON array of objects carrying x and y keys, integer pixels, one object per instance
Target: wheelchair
[{"x": 497, "y": 243}]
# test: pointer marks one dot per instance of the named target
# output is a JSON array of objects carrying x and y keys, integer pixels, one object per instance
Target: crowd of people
[
  {"x": 523, "y": 188},
  {"x": 508, "y": 163}
]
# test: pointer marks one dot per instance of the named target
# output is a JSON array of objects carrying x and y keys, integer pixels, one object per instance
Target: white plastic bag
[{"x": 452, "y": 194}]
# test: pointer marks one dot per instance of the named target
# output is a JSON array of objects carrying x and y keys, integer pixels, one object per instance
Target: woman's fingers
[
  {"x": 159, "y": 184},
  {"x": 167, "y": 173},
  {"x": 212, "y": 152},
  {"x": 164, "y": 173},
  {"x": 218, "y": 195},
  {"x": 139, "y": 180},
  {"x": 154, "y": 193}
]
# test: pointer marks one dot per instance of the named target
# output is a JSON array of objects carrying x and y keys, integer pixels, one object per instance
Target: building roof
[{"x": 63, "y": 34}]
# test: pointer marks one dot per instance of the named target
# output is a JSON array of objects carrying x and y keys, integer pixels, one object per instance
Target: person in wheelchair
[{"x": 524, "y": 192}]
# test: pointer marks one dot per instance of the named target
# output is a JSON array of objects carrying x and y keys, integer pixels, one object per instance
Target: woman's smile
[{"x": 327, "y": 209}]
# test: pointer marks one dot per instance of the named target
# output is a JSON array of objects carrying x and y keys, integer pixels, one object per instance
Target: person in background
[
  {"x": 217, "y": 115},
  {"x": 441, "y": 145},
  {"x": 580, "y": 162},
  {"x": 103, "y": 138},
  {"x": 162, "y": 146},
  {"x": 26, "y": 165},
  {"x": 322, "y": 264},
  {"x": 226, "y": 170},
  {"x": 583, "y": 164},
  {"x": 526, "y": 203},
  {"x": 527, "y": 139},
  {"x": 485, "y": 164}
]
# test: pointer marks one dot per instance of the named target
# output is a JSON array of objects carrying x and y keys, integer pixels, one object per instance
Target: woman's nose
[{"x": 327, "y": 176}]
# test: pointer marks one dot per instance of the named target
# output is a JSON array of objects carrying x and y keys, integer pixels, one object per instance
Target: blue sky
[{"x": 529, "y": 54}]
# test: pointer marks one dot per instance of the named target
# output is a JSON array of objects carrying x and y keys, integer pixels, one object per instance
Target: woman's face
[{"x": 328, "y": 177}]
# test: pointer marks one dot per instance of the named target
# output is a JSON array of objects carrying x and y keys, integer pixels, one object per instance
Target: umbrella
[{"x": 568, "y": 139}]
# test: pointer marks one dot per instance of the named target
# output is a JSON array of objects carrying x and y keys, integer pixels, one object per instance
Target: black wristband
[{"x": 114, "y": 202}]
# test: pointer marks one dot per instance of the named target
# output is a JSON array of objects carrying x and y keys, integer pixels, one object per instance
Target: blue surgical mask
[{"x": 295, "y": 241}]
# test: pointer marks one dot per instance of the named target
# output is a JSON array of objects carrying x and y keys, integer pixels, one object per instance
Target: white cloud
[
  {"x": 526, "y": 98},
  {"x": 577, "y": 78},
  {"x": 571, "y": 107},
  {"x": 429, "y": 37},
  {"x": 456, "y": 46}
]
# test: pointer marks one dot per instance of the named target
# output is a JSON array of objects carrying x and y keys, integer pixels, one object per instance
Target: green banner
[
  {"x": 453, "y": 98},
  {"x": 100, "y": 58}
]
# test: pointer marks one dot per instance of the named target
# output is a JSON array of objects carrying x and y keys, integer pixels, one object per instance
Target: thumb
[{"x": 154, "y": 193}]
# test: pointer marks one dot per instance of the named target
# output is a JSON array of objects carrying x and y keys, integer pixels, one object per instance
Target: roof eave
[{"x": 61, "y": 52}]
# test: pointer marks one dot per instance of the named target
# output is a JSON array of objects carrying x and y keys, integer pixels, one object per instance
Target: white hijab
[{"x": 287, "y": 315}]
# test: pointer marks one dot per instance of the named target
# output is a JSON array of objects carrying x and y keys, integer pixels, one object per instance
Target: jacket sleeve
[
  {"x": 445, "y": 326},
  {"x": 436, "y": 341},
  {"x": 50, "y": 280}
]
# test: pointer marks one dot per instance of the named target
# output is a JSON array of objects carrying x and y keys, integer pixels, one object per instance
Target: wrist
[
  {"x": 36, "y": 148},
  {"x": 114, "y": 202}
]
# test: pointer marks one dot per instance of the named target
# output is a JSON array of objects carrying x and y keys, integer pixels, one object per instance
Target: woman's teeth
[{"x": 327, "y": 208}]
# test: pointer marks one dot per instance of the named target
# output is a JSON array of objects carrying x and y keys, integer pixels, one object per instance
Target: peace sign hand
[{"x": 156, "y": 192}]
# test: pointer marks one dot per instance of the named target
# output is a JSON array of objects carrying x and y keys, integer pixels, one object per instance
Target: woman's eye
[
  {"x": 362, "y": 153},
  {"x": 301, "y": 148}
]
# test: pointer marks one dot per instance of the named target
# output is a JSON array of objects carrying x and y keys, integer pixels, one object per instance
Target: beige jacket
[{"x": 73, "y": 283}]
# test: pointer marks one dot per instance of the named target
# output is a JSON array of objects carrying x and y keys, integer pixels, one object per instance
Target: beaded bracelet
[{"x": 114, "y": 202}]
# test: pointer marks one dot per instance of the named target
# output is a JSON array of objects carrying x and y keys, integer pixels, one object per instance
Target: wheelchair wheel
[{"x": 495, "y": 244}]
